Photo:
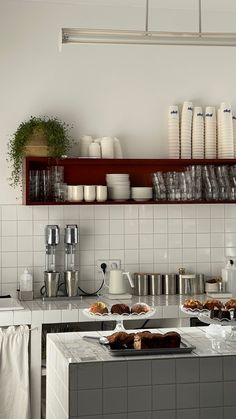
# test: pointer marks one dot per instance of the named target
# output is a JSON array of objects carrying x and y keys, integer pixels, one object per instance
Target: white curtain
[{"x": 14, "y": 373}]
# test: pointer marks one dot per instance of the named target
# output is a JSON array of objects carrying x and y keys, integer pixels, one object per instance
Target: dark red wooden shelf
[{"x": 89, "y": 171}]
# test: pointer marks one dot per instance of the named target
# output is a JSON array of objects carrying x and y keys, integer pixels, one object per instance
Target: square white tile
[
  {"x": 131, "y": 241},
  {"x": 117, "y": 241},
  {"x": 131, "y": 212},
  {"x": 146, "y": 256},
  {"x": 189, "y": 255},
  {"x": 160, "y": 211},
  {"x": 24, "y": 212},
  {"x": 9, "y": 228},
  {"x": 189, "y": 225},
  {"x": 175, "y": 241},
  {"x": 217, "y": 225},
  {"x": 203, "y": 254},
  {"x": 189, "y": 240},
  {"x": 161, "y": 256},
  {"x": 160, "y": 241},
  {"x": 188, "y": 211},
  {"x": 203, "y": 225},
  {"x": 174, "y": 211},
  {"x": 101, "y": 227},
  {"x": 101, "y": 212},
  {"x": 9, "y": 212},
  {"x": 174, "y": 225},
  {"x": 131, "y": 226},
  {"x": 40, "y": 213},
  {"x": 146, "y": 241},
  {"x": 117, "y": 227},
  {"x": 145, "y": 226},
  {"x": 217, "y": 211},
  {"x": 145, "y": 211},
  {"x": 160, "y": 226},
  {"x": 203, "y": 240},
  {"x": 116, "y": 212},
  {"x": 86, "y": 212}
]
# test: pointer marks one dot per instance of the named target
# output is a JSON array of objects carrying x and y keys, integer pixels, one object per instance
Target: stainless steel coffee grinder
[
  {"x": 51, "y": 276},
  {"x": 71, "y": 275}
]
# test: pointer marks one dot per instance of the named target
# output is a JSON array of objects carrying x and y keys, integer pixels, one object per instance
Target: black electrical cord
[{"x": 93, "y": 294}]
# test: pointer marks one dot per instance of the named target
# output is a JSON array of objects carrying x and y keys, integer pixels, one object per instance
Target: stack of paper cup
[
  {"x": 219, "y": 135},
  {"x": 173, "y": 132},
  {"x": 186, "y": 130},
  {"x": 234, "y": 130},
  {"x": 210, "y": 132},
  {"x": 198, "y": 134},
  {"x": 227, "y": 145}
]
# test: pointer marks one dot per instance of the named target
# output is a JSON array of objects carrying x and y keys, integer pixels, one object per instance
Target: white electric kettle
[{"x": 117, "y": 281}]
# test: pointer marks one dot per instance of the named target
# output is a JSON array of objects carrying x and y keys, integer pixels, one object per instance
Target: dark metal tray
[{"x": 183, "y": 349}]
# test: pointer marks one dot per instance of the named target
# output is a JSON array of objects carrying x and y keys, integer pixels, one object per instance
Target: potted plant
[{"x": 39, "y": 136}]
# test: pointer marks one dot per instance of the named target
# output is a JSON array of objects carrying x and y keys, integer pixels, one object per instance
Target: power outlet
[{"x": 111, "y": 264}]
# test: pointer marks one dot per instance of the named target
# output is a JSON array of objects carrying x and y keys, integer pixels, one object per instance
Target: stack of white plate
[
  {"x": 198, "y": 134},
  {"x": 173, "y": 132},
  {"x": 234, "y": 130},
  {"x": 227, "y": 138},
  {"x": 210, "y": 132},
  {"x": 186, "y": 130},
  {"x": 118, "y": 186}
]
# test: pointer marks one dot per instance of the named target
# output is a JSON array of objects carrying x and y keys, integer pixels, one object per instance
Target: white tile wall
[{"x": 154, "y": 237}]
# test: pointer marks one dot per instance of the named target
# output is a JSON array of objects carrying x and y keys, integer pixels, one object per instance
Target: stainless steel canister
[
  {"x": 51, "y": 280},
  {"x": 155, "y": 284},
  {"x": 200, "y": 284},
  {"x": 71, "y": 283},
  {"x": 186, "y": 284},
  {"x": 169, "y": 284},
  {"x": 140, "y": 284}
]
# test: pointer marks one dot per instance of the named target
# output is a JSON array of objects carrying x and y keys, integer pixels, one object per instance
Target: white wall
[{"x": 101, "y": 90}]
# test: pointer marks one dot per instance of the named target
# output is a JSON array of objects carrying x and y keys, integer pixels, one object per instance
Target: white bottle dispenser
[
  {"x": 229, "y": 276},
  {"x": 26, "y": 281}
]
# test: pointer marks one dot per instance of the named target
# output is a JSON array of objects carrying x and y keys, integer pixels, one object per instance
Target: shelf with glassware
[{"x": 173, "y": 180}]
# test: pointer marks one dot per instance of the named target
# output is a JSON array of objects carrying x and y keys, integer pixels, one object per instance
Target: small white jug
[{"x": 117, "y": 282}]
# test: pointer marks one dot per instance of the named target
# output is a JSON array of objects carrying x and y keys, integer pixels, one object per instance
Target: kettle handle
[{"x": 129, "y": 278}]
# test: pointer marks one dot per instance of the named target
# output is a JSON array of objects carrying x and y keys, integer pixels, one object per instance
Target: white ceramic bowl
[{"x": 141, "y": 193}]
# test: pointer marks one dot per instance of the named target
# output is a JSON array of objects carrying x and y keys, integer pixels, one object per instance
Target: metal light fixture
[{"x": 146, "y": 37}]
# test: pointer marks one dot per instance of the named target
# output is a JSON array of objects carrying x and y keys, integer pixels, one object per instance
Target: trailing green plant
[{"x": 56, "y": 133}]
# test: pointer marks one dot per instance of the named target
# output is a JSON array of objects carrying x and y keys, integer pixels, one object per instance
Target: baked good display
[
  {"x": 214, "y": 313},
  {"x": 224, "y": 313},
  {"x": 193, "y": 304},
  {"x": 140, "y": 308},
  {"x": 121, "y": 340},
  {"x": 98, "y": 308},
  {"x": 231, "y": 303},
  {"x": 120, "y": 309},
  {"x": 144, "y": 340},
  {"x": 211, "y": 303}
]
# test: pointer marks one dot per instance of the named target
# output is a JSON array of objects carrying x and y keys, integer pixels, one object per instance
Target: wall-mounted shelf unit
[{"x": 90, "y": 171}]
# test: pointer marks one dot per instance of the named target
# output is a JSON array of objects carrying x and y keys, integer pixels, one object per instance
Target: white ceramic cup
[
  {"x": 89, "y": 193},
  {"x": 70, "y": 192},
  {"x": 85, "y": 142},
  {"x": 78, "y": 193},
  {"x": 95, "y": 150},
  {"x": 75, "y": 193},
  {"x": 107, "y": 146},
  {"x": 101, "y": 193}
]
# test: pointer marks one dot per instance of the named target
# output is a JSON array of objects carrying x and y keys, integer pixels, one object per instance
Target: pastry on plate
[
  {"x": 211, "y": 303},
  {"x": 139, "y": 308},
  {"x": 120, "y": 309},
  {"x": 98, "y": 308},
  {"x": 193, "y": 304}
]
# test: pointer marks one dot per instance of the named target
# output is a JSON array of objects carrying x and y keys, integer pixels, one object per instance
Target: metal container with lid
[
  {"x": 169, "y": 284},
  {"x": 140, "y": 284},
  {"x": 155, "y": 284}
]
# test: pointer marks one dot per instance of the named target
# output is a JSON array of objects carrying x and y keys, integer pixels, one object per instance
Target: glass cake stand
[
  {"x": 118, "y": 318},
  {"x": 204, "y": 316}
]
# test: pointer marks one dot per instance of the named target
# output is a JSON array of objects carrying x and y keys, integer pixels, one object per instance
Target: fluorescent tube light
[
  {"x": 146, "y": 37},
  {"x": 123, "y": 37}
]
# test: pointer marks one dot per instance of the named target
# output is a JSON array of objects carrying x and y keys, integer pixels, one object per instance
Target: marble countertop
[
  {"x": 62, "y": 310},
  {"x": 77, "y": 350}
]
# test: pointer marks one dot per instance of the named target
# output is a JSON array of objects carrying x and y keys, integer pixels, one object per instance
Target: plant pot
[{"x": 37, "y": 146}]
